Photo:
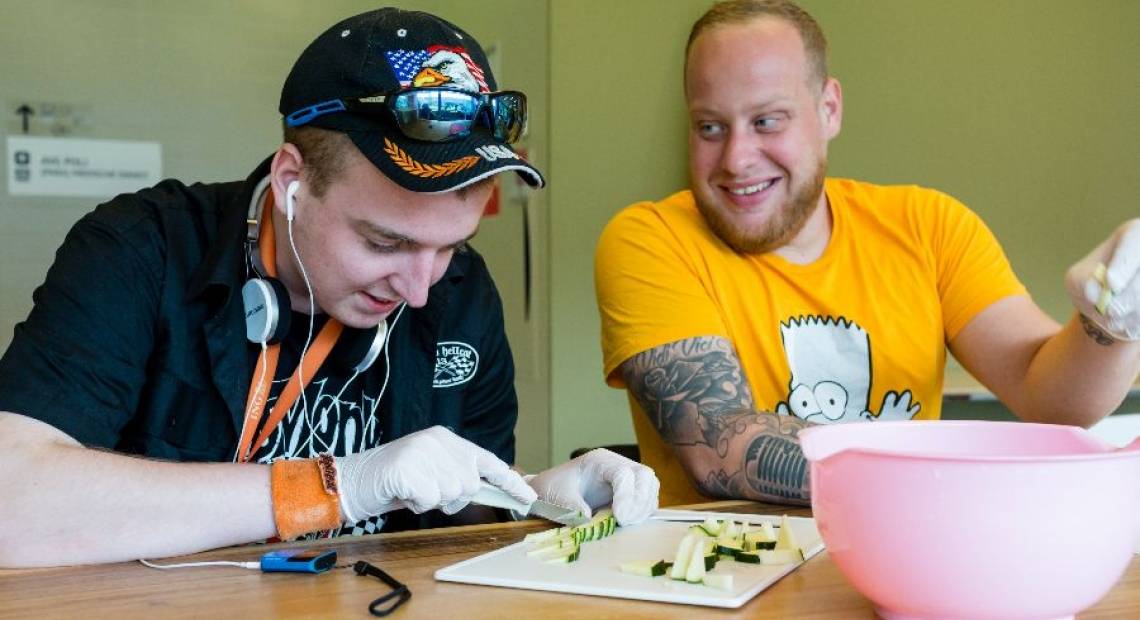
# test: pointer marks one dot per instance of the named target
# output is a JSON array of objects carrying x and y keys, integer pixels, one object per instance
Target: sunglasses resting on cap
[{"x": 433, "y": 114}]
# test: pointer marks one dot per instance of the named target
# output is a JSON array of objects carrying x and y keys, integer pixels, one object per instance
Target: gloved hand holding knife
[{"x": 435, "y": 468}]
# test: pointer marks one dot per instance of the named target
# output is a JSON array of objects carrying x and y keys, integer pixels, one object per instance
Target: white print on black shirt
[{"x": 338, "y": 427}]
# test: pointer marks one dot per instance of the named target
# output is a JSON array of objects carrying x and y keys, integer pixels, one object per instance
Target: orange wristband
[{"x": 303, "y": 501}]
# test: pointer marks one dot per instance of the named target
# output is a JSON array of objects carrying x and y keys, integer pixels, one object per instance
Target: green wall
[
  {"x": 203, "y": 79},
  {"x": 1027, "y": 110}
]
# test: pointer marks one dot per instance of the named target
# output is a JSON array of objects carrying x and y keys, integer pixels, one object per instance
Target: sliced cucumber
[
  {"x": 729, "y": 548},
  {"x": 720, "y": 581},
  {"x": 699, "y": 530},
  {"x": 645, "y": 568},
  {"x": 712, "y": 526},
  {"x": 563, "y": 556},
  {"x": 730, "y": 529},
  {"x": 770, "y": 556},
  {"x": 780, "y": 556},
  {"x": 695, "y": 571},
  {"x": 684, "y": 552},
  {"x": 760, "y": 536},
  {"x": 786, "y": 539},
  {"x": 710, "y": 560},
  {"x": 747, "y": 557},
  {"x": 547, "y": 553},
  {"x": 555, "y": 543},
  {"x": 537, "y": 537},
  {"x": 757, "y": 546}
]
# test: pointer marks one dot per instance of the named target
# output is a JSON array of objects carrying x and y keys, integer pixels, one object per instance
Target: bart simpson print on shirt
[{"x": 830, "y": 362}]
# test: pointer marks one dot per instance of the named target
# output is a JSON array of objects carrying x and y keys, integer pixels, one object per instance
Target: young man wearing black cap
[{"x": 373, "y": 374}]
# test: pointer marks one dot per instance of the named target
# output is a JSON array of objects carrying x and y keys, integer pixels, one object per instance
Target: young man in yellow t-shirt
[{"x": 767, "y": 287}]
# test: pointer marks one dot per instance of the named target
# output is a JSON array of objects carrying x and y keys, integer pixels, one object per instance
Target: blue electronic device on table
[{"x": 298, "y": 561}]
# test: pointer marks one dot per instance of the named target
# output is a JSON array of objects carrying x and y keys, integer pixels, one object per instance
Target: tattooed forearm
[
  {"x": 774, "y": 466},
  {"x": 685, "y": 387},
  {"x": 697, "y": 397},
  {"x": 1095, "y": 332}
]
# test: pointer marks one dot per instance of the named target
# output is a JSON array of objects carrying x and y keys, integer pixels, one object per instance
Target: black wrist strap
[{"x": 398, "y": 596}]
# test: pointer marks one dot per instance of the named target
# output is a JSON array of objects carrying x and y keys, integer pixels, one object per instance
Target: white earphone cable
[
  {"x": 387, "y": 339},
  {"x": 387, "y": 365},
  {"x": 252, "y": 565},
  {"x": 312, "y": 313}
]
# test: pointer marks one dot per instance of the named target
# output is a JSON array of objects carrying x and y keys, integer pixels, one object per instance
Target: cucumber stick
[
  {"x": 771, "y": 556},
  {"x": 786, "y": 539},
  {"x": 704, "y": 544},
  {"x": 562, "y": 556},
  {"x": 562, "y": 544},
  {"x": 645, "y": 568},
  {"x": 695, "y": 571},
  {"x": 684, "y": 552},
  {"x": 720, "y": 581}
]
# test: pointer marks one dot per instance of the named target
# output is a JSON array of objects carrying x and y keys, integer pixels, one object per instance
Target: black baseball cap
[{"x": 380, "y": 53}]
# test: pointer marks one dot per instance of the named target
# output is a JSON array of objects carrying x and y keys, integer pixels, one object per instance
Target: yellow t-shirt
[{"x": 858, "y": 334}]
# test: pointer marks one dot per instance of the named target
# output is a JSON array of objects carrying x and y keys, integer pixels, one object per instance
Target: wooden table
[{"x": 130, "y": 590}]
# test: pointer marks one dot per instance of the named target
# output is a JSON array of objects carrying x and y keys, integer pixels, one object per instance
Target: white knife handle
[{"x": 491, "y": 495}]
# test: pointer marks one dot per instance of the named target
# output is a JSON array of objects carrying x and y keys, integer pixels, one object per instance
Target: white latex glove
[
  {"x": 599, "y": 478},
  {"x": 1120, "y": 253},
  {"x": 432, "y": 468}
]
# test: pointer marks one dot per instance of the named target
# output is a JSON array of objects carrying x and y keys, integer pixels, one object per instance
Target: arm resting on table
[{"x": 67, "y": 504}]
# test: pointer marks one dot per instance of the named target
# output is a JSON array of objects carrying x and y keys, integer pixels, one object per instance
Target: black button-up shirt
[{"x": 136, "y": 340}]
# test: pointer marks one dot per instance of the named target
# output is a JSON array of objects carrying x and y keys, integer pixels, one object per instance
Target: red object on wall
[{"x": 492, "y": 207}]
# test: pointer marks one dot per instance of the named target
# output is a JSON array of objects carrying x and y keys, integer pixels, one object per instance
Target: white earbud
[{"x": 290, "y": 192}]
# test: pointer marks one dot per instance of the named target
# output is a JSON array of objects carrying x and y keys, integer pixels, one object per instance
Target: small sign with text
[{"x": 43, "y": 166}]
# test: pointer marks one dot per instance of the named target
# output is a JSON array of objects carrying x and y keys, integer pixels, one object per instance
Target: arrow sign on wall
[{"x": 25, "y": 111}]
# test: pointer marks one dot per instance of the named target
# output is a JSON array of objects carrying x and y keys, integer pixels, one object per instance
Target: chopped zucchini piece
[
  {"x": 719, "y": 581},
  {"x": 786, "y": 540},
  {"x": 645, "y": 568},
  {"x": 712, "y": 526},
  {"x": 767, "y": 556},
  {"x": 769, "y": 531},
  {"x": 729, "y": 549},
  {"x": 747, "y": 557},
  {"x": 564, "y": 556},
  {"x": 556, "y": 543},
  {"x": 760, "y": 536},
  {"x": 730, "y": 529},
  {"x": 681, "y": 560},
  {"x": 535, "y": 537},
  {"x": 756, "y": 546},
  {"x": 780, "y": 556},
  {"x": 710, "y": 560},
  {"x": 695, "y": 571},
  {"x": 547, "y": 553}
]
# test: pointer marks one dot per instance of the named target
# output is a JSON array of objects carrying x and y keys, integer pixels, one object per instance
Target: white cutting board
[{"x": 596, "y": 572}]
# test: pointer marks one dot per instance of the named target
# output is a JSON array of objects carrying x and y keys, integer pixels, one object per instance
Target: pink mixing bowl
[{"x": 975, "y": 520}]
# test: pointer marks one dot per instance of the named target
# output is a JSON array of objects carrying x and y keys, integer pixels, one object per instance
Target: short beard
[{"x": 784, "y": 226}]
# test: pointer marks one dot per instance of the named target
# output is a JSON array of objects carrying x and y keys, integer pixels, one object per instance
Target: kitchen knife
[{"x": 490, "y": 495}]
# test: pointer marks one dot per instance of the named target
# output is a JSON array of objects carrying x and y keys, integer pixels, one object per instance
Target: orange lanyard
[{"x": 267, "y": 363}]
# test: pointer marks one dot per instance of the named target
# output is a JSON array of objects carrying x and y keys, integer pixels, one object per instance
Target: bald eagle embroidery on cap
[{"x": 438, "y": 65}]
